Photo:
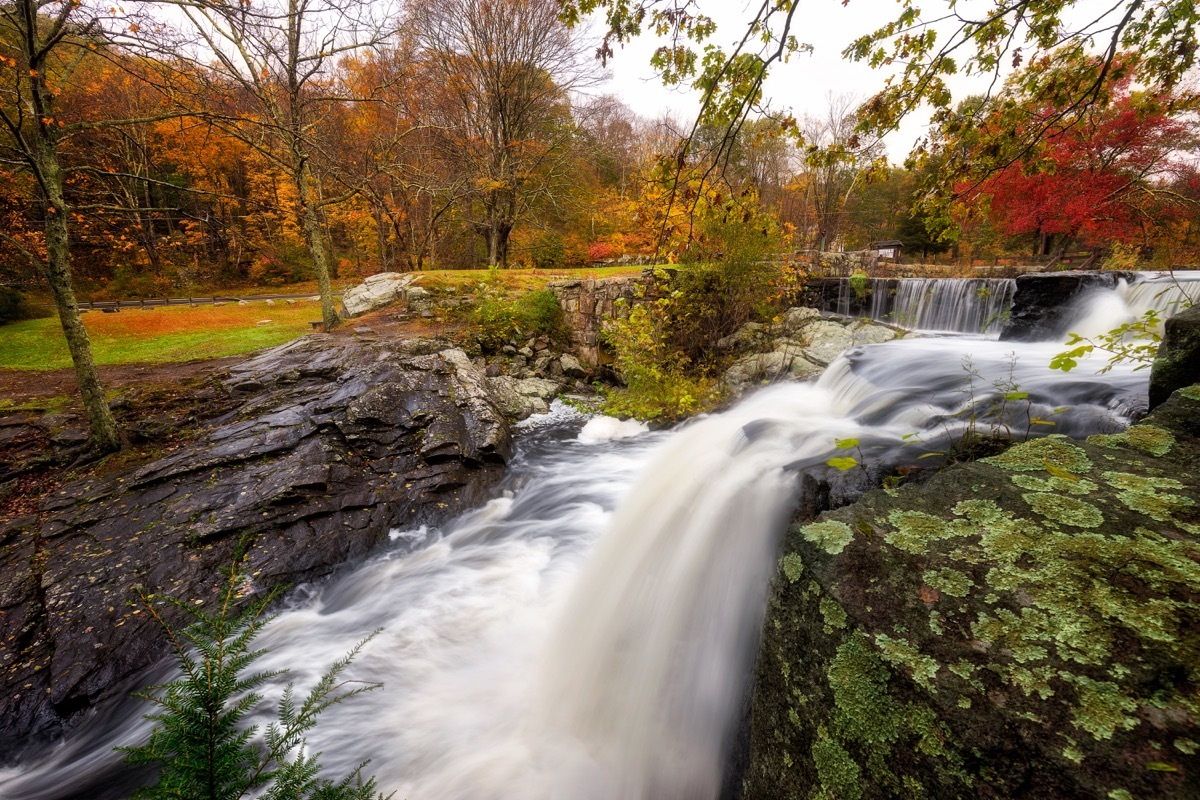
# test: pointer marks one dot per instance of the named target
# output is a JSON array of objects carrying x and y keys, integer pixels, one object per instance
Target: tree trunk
[
  {"x": 314, "y": 234},
  {"x": 104, "y": 437}
]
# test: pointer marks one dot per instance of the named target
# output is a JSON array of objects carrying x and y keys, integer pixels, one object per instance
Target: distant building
[{"x": 887, "y": 248}]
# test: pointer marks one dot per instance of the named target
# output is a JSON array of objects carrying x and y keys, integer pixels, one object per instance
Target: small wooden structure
[{"x": 887, "y": 248}]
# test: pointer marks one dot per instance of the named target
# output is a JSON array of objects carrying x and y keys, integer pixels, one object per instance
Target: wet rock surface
[
  {"x": 1178, "y": 362},
  {"x": 331, "y": 442},
  {"x": 1041, "y": 297},
  {"x": 798, "y": 347},
  {"x": 1024, "y": 626}
]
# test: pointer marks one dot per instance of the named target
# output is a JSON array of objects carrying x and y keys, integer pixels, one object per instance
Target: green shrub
[
  {"x": 501, "y": 316},
  {"x": 657, "y": 385},
  {"x": 199, "y": 744},
  {"x": 729, "y": 279},
  {"x": 548, "y": 251},
  {"x": 12, "y": 305}
]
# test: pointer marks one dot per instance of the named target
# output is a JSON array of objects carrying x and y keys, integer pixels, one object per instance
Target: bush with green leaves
[
  {"x": 200, "y": 742},
  {"x": 501, "y": 316},
  {"x": 729, "y": 277},
  {"x": 12, "y": 305},
  {"x": 657, "y": 385}
]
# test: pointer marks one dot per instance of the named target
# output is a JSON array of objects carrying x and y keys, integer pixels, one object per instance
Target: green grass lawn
[
  {"x": 172, "y": 333},
  {"x": 180, "y": 333}
]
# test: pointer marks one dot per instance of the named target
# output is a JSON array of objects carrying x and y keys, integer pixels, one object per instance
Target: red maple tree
[{"x": 1107, "y": 174}]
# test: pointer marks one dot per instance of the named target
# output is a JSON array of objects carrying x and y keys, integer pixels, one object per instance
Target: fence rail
[{"x": 117, "y": 305}]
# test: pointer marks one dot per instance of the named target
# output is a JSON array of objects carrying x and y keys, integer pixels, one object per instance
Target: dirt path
[{"x": 25, "y": 387}]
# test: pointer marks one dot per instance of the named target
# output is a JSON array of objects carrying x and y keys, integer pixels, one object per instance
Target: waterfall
[
  {"x": 589, "y": 633},
  {"x": 1101, "y": 311},
  {"x": 946, "y": 305}
]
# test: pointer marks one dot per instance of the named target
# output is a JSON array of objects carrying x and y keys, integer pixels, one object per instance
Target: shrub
[
  {"x": 657, "y": 385},
  {"x": 198, "y": 741},
  {"x": 728, "y": 281},
  {"x": 12, "y": 305},
  {"x": 501, "y": 317},
  {"x": 548, "y": 251},
  {"x": 601, "y": 251}
]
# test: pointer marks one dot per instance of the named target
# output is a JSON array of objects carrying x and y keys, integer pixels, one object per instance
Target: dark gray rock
[
  {"x": 341, "y": 441},
  {"x": 1038, "y": 303},
  {"x": 1178, "y": 362},
  {"x": 1025, "y": 626}
]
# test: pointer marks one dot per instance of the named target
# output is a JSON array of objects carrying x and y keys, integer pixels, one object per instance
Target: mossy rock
[
  {"x": 1177, "y": 364},
  {"x": 1025, "y": 626}
]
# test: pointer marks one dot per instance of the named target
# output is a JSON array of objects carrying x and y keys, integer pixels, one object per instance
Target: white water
[
  {"x": 981, "y": 306},
  {"x": 1105, "y": 310},
  {"x": 587, "y": 635}
]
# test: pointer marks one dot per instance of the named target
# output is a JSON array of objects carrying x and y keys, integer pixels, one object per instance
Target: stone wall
[{"x": 587, "y": 302}]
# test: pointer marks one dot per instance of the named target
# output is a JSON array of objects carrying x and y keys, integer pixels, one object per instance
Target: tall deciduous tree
[
  {"x": 42, "y": 45},
  {"x": 1096, "y": 176},
  {"x": 505, "y": 70},
  {"x": 924, "y": 46},
  {"x": 274, "y": 61}
]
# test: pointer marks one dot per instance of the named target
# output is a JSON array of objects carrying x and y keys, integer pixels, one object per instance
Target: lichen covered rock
[{"x": 1026, "y": 626}]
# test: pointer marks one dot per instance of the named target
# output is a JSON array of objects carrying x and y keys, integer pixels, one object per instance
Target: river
[{"x": 588, "y": 634}]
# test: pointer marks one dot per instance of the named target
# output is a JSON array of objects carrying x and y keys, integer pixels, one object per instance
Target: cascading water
[
  {"x": 588, "y": 633},
  {"x": 1104, "y": 310},
  {"x": 944, "y": 305}
]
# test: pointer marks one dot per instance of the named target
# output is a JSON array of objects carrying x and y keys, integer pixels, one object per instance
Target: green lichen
[
  {"x": 1053, "y": 451},
  {"x": 1191, "y": 392},
  {"x": 1079, "y": 486},
  {"x": 830, "y": 535},
  {"x": 1064, "y": 510},
  {"x": 832, "y": 613},
  {"x": 949, "y": 581},
  {"x": 792, "y": 566},
  {"x": 903, "y": 654},
  {"x": 1148, "y": 438},
  {"x": 1160, "y": 507},
  {"x": 916, "y": 530},
  {"x": 1139, "y": 483},
  {"x": 1102, "y": 707},
  {"x": 839, "y": 774}
]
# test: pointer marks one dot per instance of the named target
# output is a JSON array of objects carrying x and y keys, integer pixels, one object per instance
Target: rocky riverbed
[{"x": 330, "y": 443}]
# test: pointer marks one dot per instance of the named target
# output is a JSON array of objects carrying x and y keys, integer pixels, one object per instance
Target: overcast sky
[{"x": 802, "y": 85}]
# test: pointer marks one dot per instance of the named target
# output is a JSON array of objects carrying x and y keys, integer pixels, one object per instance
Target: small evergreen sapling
[{"x": 199, "y": 743}]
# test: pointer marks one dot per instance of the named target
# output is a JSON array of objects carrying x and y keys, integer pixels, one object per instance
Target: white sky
[{"x": 803, "y": 84}]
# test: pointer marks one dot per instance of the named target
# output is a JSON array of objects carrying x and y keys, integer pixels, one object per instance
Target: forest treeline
[{"x": 461, "y": 134}]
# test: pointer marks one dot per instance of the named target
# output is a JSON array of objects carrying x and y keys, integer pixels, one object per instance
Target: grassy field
[
  {"x": 172, "y": 333},
  {"x": 179, "y": 333}
]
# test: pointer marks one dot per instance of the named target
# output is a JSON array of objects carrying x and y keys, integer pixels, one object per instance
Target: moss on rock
[{"x": 1026, "y": 626}]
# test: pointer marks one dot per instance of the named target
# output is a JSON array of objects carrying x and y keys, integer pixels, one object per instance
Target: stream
[{"x": 588, "y": 634}]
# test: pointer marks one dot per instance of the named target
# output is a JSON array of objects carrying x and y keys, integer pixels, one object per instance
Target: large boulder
[
  {"x": 810, "y": 342},
  {"x": 333, "y": 443},
  {"x": 519, "y": 398},
  {"x": 375, "y": 292},
  {"x": 1178, "y": 362},
  {"x": 1040, "y": 298},
  {"x": 1026, "y": 626}
]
